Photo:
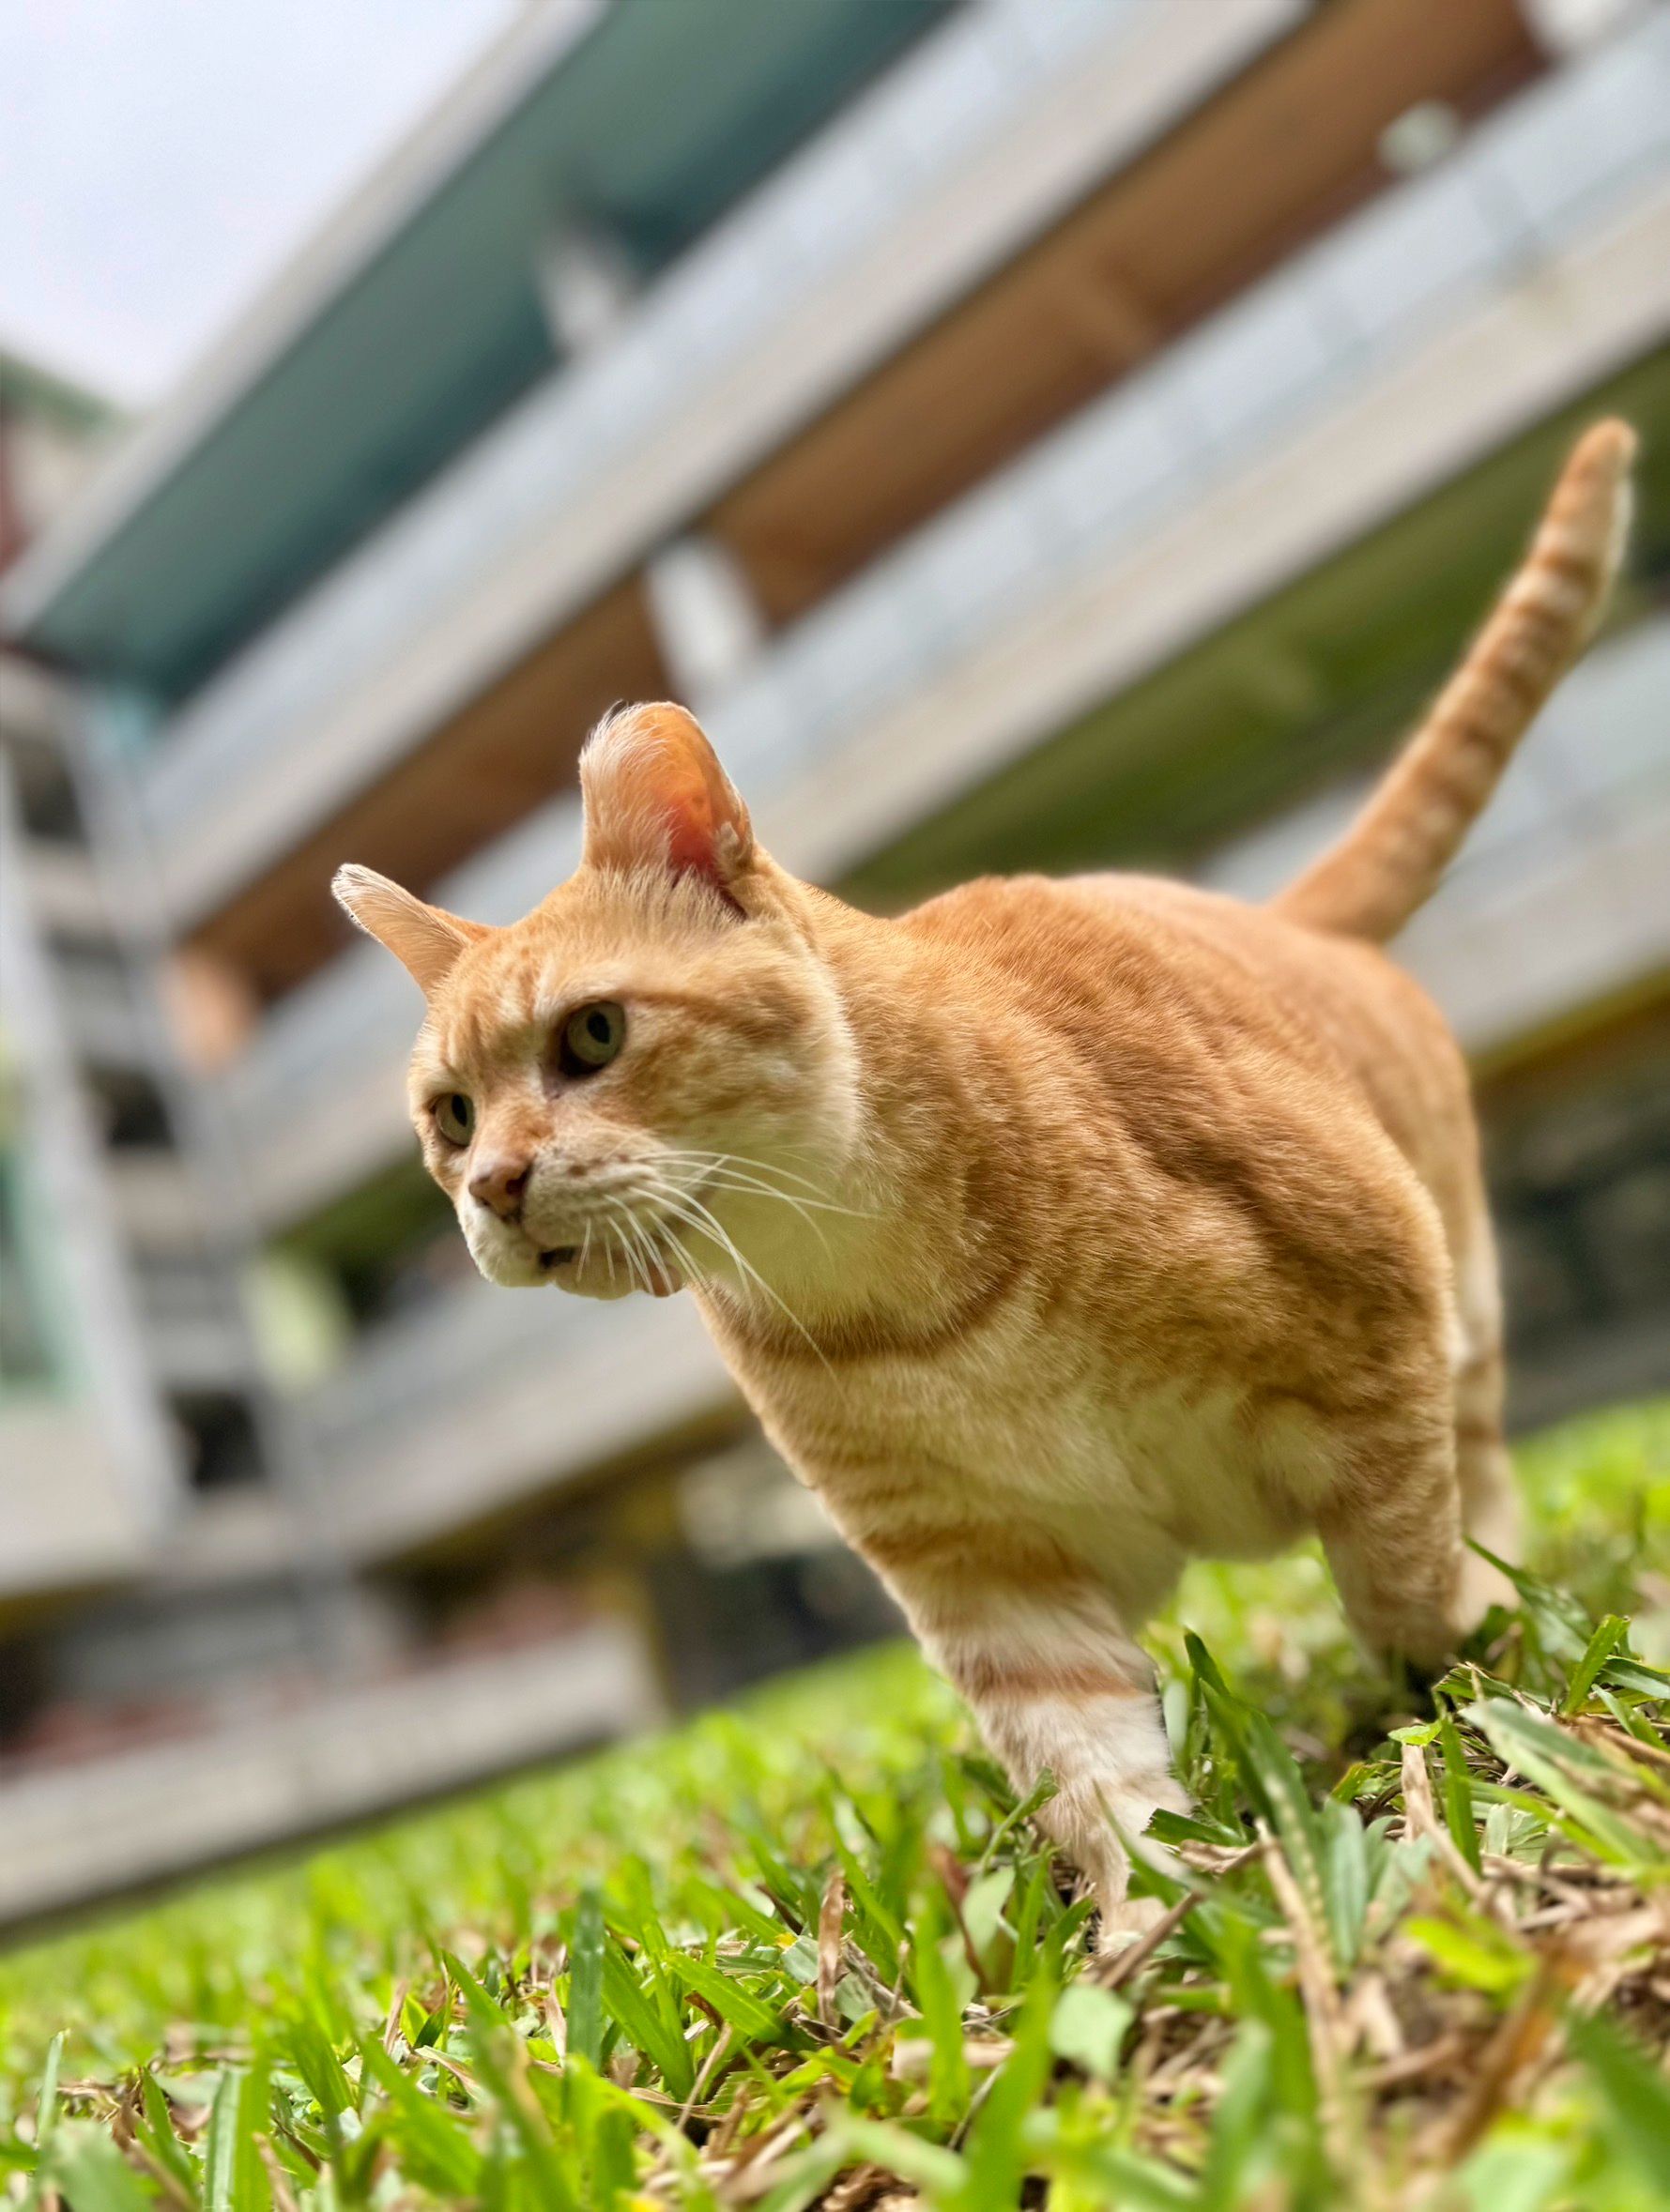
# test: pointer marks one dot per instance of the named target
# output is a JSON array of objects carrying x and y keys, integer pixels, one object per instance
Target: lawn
[{"x": 808, "y": 1952}]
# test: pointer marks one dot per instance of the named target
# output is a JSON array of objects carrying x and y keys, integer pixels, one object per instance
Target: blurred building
[{"x": 1032, "y": 433}]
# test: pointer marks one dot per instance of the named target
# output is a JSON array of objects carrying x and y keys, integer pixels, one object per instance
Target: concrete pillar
[
  {"x": 587, "y": 287},
  {"x": 102, "y": 1347},
  {"x": 708, "y": 623}
]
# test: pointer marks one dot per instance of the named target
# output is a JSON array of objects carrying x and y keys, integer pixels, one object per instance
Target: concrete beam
[{"x": 707, "y": 624}]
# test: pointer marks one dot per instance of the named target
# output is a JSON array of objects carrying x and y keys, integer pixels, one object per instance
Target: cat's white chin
[
  {"x": 596, "y": 1279},
  {"x": 599, "y": 1270},
  {"x": 511, "y": 1275},
  {"x": 600, "y": 1274},
  {"x": 512, "y": 1264}
]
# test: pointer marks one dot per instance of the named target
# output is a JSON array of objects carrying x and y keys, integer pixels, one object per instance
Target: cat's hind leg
[
  {"x": 1484, "y": 1471},
  {"x": 1392, "y": 1529}
]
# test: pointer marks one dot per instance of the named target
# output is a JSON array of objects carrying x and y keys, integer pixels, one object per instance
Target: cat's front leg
[{"x": 1057, "y": 1682}]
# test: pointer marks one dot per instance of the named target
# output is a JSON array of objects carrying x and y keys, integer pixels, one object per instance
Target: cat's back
[
  {"x": 1177, "y": 983},
  {"x": 1148, "y": 940}
]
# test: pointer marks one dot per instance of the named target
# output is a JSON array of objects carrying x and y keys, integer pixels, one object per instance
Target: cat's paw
[
  {"x": 1115, "y": 1830},
  {"x": 1125, "y": 1922}
]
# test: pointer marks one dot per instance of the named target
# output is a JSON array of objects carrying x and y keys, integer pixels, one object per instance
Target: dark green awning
[{"x": 645, "y": 132}]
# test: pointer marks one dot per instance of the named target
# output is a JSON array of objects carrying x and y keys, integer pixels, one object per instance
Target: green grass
[{"x": 809, "y": 1952}]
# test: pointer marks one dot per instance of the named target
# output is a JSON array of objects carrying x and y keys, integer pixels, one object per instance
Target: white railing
[
  {"x": 88, "y": 1480},
  {"x": 70, "y": 1834},
  {"x": 484, "y": 1395}
]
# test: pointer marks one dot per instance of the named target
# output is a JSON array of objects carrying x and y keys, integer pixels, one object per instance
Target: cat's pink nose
[{"x": 500, "y": 1182}]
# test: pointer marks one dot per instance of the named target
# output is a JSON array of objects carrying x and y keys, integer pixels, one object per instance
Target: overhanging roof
[{"x": 414, "y": 317}]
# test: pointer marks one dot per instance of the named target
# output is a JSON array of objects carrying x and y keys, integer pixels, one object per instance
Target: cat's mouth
[
  {"x": 645, "y": 1257},
  {"x": 659, "y": 1274}
]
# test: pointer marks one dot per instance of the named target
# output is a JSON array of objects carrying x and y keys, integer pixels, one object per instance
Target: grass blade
[
  {"x": 1459, "y": 1816},
  {"x": 1612, "y": 1632},
  {"x": 585, "y": 1977}
]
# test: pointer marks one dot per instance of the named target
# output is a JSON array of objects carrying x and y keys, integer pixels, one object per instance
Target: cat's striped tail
[{"x": 1390, "y": 860}]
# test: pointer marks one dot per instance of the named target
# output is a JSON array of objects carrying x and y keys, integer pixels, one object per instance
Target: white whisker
[
  {"x": 762, "y": 1170},
  {"x": 716, "y": 1181},
  {"x": 644, "y": 1249},
  {"x": 753, "y": 1174},
  {"x": 630, "y": 1236},
  {"x": 693, "y": 1211},
  {"x": 747, "y": 1185},
  {"x": 691, "y": 1268}
]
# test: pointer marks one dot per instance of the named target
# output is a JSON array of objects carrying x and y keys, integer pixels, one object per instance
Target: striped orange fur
[
  {"x": 1390, "y": 861},
  {"x": 1055, "y": 1231}
]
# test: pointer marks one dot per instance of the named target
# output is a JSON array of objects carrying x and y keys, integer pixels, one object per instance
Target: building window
[{"x": 25, "y": 1345}]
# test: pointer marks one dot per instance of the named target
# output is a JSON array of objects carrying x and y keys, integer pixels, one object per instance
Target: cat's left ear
[
  {"x": 425, "y": 940},
  {"x": 656, "y": 796}
]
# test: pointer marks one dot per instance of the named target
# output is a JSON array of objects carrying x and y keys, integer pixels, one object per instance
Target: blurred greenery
[{"x": 809, "y": 1952}]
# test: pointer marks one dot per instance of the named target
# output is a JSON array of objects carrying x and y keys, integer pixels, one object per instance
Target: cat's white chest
[{"x": 1133, "y": 1475}]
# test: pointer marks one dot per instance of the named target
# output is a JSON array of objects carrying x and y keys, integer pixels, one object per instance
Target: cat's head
[{"x": 600, "y": 1088}]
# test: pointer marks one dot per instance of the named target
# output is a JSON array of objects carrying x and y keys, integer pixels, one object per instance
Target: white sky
[{"x": 159, "y": 159}]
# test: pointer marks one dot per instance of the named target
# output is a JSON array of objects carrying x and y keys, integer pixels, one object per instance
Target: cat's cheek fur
[{"x": 502, "y": 1255}]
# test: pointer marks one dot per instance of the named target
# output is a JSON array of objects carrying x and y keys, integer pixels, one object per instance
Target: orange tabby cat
[{"x": 1055, "y": 1231}]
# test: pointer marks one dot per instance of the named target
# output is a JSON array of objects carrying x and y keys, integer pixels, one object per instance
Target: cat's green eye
[
  {"x": 592, "y": 1037},
  {"x": 454, "y": 1117}
]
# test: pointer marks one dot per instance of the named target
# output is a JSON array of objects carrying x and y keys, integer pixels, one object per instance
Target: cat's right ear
[
  {"x": 655, "y": 796},
  {"x": 426, "y": 940}
]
